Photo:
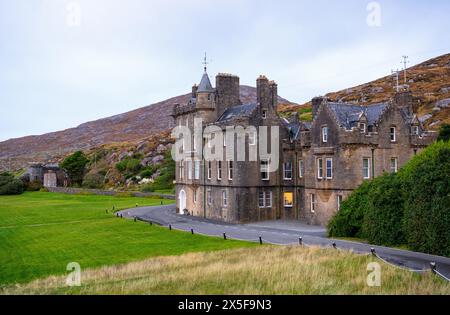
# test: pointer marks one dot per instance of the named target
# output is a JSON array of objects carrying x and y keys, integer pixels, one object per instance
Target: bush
[
  {"x": 93, "y": 181},
  {"x": 75, "y": 166},
  {"x": 444, "y": 133},
  {"x": 382, "y": 224},
  {"x": 426, "y": 185},
  {"x": 349, "y": 220},
  {"x": 147, "y": 172},
  {"x": 43, "y": 189},
  {"x": 35, "y": 185},
  {"x": 10, "y": 185},
  {"x": 129, "y": 165},
  {"x": 147, "y": 188}
]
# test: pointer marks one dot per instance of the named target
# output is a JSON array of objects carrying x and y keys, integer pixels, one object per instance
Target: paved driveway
[{"x": 283, "y": 233}]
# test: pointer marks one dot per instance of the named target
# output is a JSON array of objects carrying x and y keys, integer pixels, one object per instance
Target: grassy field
[
  {"x": 254, "y": 271},
  {"x": 40, "y": 233}
]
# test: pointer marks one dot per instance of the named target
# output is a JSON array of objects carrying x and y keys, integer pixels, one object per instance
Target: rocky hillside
[
  {"x": 429, "y": 82},
  {"x": 124, "y": 128}
]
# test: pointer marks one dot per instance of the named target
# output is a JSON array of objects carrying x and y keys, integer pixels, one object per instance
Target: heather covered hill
[
  {"x": 429, "y": 82},
  {"x": 123, "y": 128}
]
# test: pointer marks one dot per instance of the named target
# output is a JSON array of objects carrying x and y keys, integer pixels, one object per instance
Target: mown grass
[
  {"x": 253, "y": 271},
  {"x": 40, "y": 233}
]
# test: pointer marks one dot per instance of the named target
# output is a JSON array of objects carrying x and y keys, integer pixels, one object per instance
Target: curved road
[{"x": 282, "y": 233}]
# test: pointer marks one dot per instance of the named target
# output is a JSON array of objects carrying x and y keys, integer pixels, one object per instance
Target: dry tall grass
[{"x": 261, "y": 270}]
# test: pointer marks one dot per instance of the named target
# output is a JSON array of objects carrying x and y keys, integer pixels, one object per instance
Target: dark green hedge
[{"x": 10, "y": 185}]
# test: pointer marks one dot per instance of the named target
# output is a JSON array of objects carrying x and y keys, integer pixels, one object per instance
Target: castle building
[{"x": 320, "y": 162}]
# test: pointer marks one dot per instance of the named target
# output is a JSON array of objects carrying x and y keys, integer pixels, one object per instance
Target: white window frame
[
  {"x": 329, "y": 168},
  {"x": 284, "y": 199},
  {"x": 369, "y": 164},
  {"x": 300, "y": 168},
  {"x": 340, "y": 198},
  {"x": 252, "y": 138},
  {"x": 319, "y": 163},
  {"x": 181, "y": 169},
  {"x": 209, "y": 173},
  {"x": 325, "y": 134},
  {"x": 190, "y": 169},
  {"x": 313, "y": 203},
  {"x": 224, "y": 198},
  {"x": 209, "y": 197},
  {"x": 362, "y": 127},
  {"x": 268, "y": 199},
  {"x": 265, "y": 170},
  {"x": 219, "y": 170},
  {"x": 394, "y": 168},
  {"x": 286, "y": 170},
  {"x": 230, "y": 170},
  {"x": 393, "y": 134},
  {"x": 261, "y": 197},
  {"x": 197, "y": 169}
]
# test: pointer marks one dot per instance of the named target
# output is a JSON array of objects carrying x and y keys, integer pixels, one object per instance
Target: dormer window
[
  {"x": 415, "y": 130},
  {"x": 393, "y": 134},
  {"x": 324, "y": 134},
  {"x": 362, "y": 127}
]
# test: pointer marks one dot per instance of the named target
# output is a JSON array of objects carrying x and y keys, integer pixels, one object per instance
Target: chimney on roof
[
  {"x": 194, "y": 90},
  {"x": 316, "y": 102},
  {"x": 266, "y": 92},
  {"x": 404, "y": 99}
]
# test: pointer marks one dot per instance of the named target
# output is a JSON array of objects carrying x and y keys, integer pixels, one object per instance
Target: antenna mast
[
  {"x": 405, "y": 62},
  {"x": 395, "y": 73}
]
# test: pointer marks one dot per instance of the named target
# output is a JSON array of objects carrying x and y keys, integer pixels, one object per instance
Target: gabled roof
[
  {"x": 348, "y": 115},
  {"x": 205, "y": 84},
  {"x": 239, "y": 111}
]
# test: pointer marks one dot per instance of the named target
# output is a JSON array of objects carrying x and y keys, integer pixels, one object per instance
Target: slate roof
[
  {"x": 231, "y": 113},
  {"x": 205, "y": 84},
  {"x": 348, "y": 115}
]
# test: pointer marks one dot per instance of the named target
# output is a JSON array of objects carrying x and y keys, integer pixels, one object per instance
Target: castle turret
[{"x": 205, "y": 93}]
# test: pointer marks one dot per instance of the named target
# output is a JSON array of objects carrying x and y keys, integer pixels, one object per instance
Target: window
[
  {"x": 194, "y": 142},
  {"x": 265, "y": 170},
  {"x": 329, "y": 166},
  {"x": 224, "y": 198},
  {"x": 313, "y": 203},
  {"x": 209, "y": 197},
  {"x": 230, "y": 170},
  {"x": 268, "y": 199},
  {"x": 252, "y": 138},
  {"x": 319, "y": 168},
  {"x": 370, "y": 129},
  {"x": 362, "y": 127},
  {"x": 288, "y": 199},
  {"x": 197, "y": 169},
  {"x": 265, "y": 199},
  {"x": 325, "y": 134},
  {"x": 190, "y": 169},
  {"x": 393, "y": 135},
  {"x": 287, "y": 168},
  {"x": 195, "y": 196},
  {"x": 339, "y": 202},
  {"x": 219, "y": 170},
  {"x": 264, "y": 114},
  {"x": 300, "y": 168},
  {"x": 261, "y": 199},
  {"x": 366, "y": 168},
  {"x": 415, "y": 130},
  {"x": 209, "y": 170},
  {"x": 181, "y": 169},
  {"x": 394, "y": 165}
]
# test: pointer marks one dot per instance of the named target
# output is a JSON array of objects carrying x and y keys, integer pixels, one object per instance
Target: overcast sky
[{"x": 65, "y": 62}]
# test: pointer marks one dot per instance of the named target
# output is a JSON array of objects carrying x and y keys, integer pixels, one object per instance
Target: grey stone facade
[{"x": 321, "y": 162}]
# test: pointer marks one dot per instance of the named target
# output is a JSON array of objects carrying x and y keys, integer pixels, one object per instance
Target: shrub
[
  {"x": 93, "y": 181},
  {"x": 10, "y": 185},
  {"x": 444, "y": 133},
  {"x": 75, "y": 166},
  {"x": 43, "y": 189},
  {"x": 34, "y": 185},
  {"x": 349, "y": 220},
  {"x": 382, "y": 224},
  {"x": 130, "y": 165},
  {"x": 147, "y": 188},
  {"x": 426, "y": 185},
  {"x": 147, "y": 172}
]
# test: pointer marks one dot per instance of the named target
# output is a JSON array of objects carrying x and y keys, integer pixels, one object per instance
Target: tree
[
  {"x": 10, "y": 185},
  {"x": 75, "y": 166},
  {"x": 444, "y": 133}
]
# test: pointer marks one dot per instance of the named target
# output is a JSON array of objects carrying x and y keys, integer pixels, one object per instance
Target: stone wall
[{"x": 75, "y": 191}]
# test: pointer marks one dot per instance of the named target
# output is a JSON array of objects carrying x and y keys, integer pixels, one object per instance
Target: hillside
[
  {"x": 429, "y": 82},
  {"x": 127, "y": 127}
]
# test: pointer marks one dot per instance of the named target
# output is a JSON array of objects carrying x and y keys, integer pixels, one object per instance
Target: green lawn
[{"x": 40, "y": 233}]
